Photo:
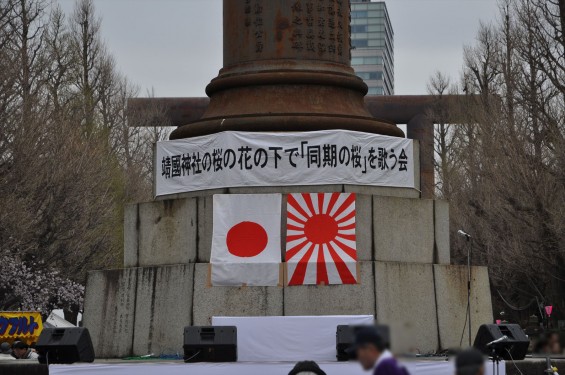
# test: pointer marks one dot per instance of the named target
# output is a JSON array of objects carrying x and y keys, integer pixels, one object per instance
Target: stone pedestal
[
  {"x": 406, "y": 279},
  {"x": 286, "y": 68}
]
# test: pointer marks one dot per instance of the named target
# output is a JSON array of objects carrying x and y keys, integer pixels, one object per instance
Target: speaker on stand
[
  {"x": 65, "y": 345},
  {"x": 210, "y": 344},
  {"x": 502, "y": 342},
  {"x": 345, "y": 337}
]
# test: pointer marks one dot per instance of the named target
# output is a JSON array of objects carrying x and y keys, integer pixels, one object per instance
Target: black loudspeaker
[
  {"x": 210, "y": 344},
  {"x": 65, "y": 345},
  {"x": 345, "y": 337},
  {"x": 513, "y": 347}
]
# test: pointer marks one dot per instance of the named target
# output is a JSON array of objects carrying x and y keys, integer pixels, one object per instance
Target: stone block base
[
  {"x": 389, "y": 229},
  {"x": 405, "y": 278},
  {"x": 138, "y": 311}
]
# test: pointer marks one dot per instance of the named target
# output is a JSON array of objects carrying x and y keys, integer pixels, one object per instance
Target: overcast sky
[{"x": 175, "y": 46}]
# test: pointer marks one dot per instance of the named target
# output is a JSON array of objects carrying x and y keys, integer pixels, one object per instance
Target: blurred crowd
[
  {"x": 371, "y": 353},
  {"x": 18, "y": 350},
  {"x": 547, "y": 344}
]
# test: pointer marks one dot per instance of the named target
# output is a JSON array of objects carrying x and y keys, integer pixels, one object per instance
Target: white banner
[{"x": 236, "y": 159}]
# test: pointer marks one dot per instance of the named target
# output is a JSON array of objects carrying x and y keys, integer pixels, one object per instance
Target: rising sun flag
[{"x": 320, "y": 244}]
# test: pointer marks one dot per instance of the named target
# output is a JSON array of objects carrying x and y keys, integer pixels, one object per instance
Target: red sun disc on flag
[
  {"x": 321, "y": 234},
  {"x": 247, "y": 239}
]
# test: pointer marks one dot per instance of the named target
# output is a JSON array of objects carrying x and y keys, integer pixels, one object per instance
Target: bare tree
[
  {"x": 68, "y": 159},
  {"x": 91, "y": 54},
  {"x": 508, "y": 183},
  {"x": 27, "y": 29},
  {"x": 59, "y": 62},
  {"x": 440, "y": 85}
]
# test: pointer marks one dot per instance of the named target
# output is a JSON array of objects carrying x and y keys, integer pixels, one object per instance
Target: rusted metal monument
[{"x": 287, "y": 68}]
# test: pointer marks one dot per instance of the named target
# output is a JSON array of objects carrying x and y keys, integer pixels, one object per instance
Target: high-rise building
[{"x": 372, "y": 39}]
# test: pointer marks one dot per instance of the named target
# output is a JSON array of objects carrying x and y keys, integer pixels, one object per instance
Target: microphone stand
[
  {"x": 495, "y": 361},
  {"x": 549, "y": 366},
  {"x": 469, "y": 285}
]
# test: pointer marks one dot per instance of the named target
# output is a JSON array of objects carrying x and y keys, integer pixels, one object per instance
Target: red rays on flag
[{"x": 321, "y": 243}]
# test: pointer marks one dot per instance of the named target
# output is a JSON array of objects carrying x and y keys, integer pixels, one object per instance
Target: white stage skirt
[
  {"x": 267, "y": 346},
  {"x": 333, "y": 368},
  {"x": 288, "y": 338}
]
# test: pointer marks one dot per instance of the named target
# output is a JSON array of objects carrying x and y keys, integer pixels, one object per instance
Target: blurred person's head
[
  {"x": 20, "y": 349},
  {"x": 470, "y": 362},
  {"x": 5, "y": 348},
  {"x": 542, "y": 345},
  {"x": 307, "y": 368},
  {"x": 554, "y": 343},
  {"x": 369, "y": 345}
]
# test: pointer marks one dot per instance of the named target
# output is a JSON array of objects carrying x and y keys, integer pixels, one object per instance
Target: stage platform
[{"x": 415, "y": 367}]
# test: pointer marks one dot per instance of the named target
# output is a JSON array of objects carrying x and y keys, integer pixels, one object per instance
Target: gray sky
[{"x": 175, "y": 46}]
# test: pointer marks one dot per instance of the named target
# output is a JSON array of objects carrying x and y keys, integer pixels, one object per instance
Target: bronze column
[{"x": 286, "y": 68}]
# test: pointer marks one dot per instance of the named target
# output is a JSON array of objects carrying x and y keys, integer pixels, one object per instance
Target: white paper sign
[{"x": 237, "y": 159}]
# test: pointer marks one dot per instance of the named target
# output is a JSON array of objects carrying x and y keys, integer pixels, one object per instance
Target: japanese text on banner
[{"x": 234, "y": 159}]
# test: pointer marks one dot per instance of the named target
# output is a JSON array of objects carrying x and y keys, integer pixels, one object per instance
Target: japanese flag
[{"x": 246, "y": 242}]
